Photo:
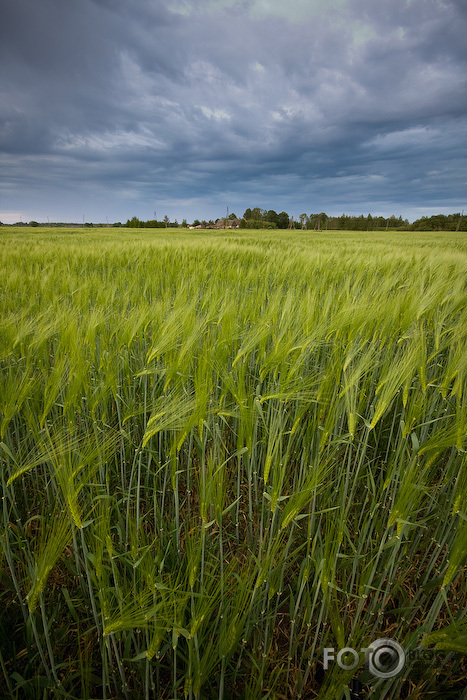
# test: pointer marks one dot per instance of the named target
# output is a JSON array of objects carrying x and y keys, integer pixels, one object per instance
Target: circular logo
[{"x": 386, "y": 658}]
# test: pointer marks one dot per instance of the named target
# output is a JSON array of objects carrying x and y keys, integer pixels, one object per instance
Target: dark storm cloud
[{"x": 124, "y": 107}]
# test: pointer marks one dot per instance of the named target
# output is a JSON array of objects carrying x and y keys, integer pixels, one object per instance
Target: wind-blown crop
[{"x": 220, "y": 455}]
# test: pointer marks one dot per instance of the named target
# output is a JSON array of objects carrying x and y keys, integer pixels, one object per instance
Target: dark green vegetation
[
  {"x": 261, "y": 219},
  {"x": 223, "y": 452},
  {"x": 440, "y": 222}
]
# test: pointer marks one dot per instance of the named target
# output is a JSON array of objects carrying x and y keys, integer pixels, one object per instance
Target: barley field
[{"x": 225, "y": 452}]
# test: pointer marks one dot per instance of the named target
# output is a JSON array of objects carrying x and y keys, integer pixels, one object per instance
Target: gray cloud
[{"x": 185, "y": 107}]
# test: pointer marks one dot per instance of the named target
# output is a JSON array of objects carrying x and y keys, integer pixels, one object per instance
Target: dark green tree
[
  {"x": 282, "y": 220},
  {"x": 273, "y": 217},
  {"x": 133, "y": 223}
]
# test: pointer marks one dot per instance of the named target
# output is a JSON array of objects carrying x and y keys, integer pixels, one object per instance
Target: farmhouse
[{"x": 227, "y": 223}]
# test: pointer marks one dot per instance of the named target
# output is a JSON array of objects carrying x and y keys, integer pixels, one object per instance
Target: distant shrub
[{"x": 257, "y": 223}]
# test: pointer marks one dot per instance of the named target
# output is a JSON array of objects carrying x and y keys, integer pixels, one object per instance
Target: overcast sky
[{"x": 113, "y": 109}]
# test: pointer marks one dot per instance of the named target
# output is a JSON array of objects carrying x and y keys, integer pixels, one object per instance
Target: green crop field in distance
[{"x": 223, "y": 453}]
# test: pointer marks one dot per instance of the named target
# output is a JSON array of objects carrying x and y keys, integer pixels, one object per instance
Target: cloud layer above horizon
[{"x": 114, "y": 109}]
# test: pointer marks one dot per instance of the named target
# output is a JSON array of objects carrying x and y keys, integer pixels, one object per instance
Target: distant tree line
[
  {"x": 137, "y": 223},
  {"x": 360, "y": 223},
  {"x": 61, "y": 224},
  {"x": 152, "y": 223},
  {"x": 257, "y": 218},
  {"x": 440, "y": 222},
  {"x": 262, "y": 218}
]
